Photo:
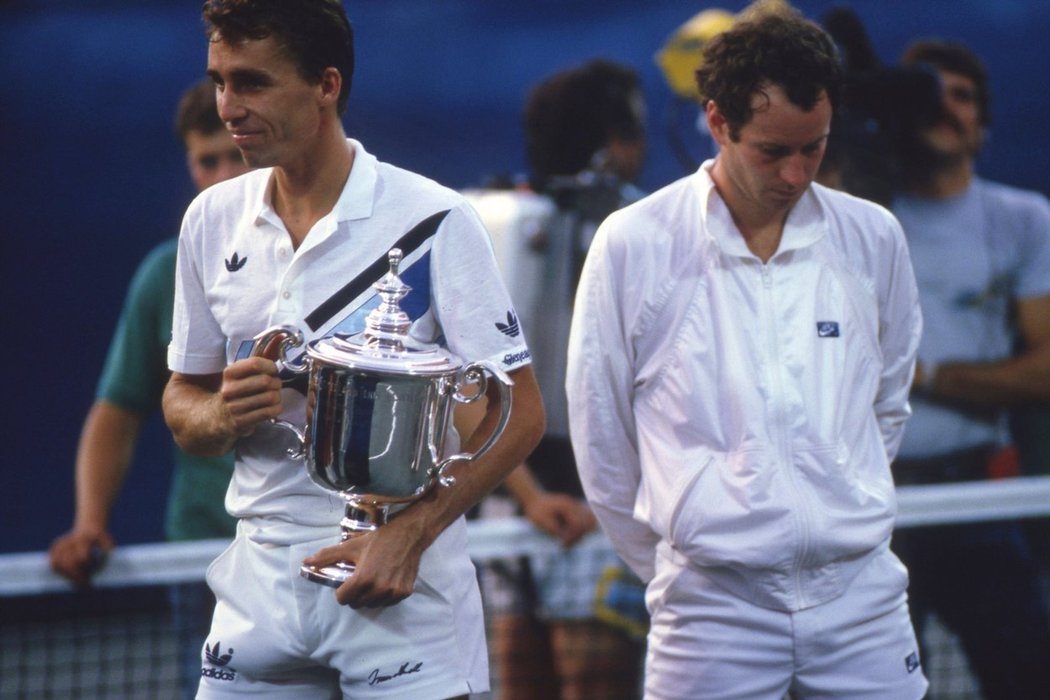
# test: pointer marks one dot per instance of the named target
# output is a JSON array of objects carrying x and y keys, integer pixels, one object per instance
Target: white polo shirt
[{"x": 238, "y": 275}]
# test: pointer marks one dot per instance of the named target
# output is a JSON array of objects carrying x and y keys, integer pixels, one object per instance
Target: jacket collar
[{"x": 805, "y": 225}]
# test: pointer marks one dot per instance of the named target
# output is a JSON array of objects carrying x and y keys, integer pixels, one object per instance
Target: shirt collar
[
  {"x": 805, "y": 225},
  {"x": 355, "y": 201},
  {"x": 358, "y": 195}
]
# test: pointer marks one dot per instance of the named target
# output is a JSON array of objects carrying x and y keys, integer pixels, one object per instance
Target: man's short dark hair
[
  {"x": 953, "y": 57},
  {"x": 197, "y": 110},
  {"x": 315, "y": 33},
  {"x": 571, "y": 115},
  {"x": 778, "y": 48}
]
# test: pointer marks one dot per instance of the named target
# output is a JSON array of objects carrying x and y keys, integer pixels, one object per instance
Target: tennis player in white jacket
[{"x": 742, "y": 347}]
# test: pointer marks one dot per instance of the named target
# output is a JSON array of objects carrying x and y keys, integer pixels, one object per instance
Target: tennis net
[{"x": 119, "y": 639}]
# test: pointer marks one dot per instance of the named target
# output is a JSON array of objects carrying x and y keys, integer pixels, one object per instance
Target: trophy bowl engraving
[{"x": 376, "y": 434}]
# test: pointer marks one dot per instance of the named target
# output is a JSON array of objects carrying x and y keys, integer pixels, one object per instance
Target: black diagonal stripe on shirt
[{"x": 407, "y": 243}]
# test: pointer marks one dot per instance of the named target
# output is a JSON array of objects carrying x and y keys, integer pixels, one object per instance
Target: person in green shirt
[{"x": 130, "y": 390}]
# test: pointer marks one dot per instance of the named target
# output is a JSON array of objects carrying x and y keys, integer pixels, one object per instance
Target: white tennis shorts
[
  {"x": 277, "y": 635},
  {"x": 705, "y": 642}
]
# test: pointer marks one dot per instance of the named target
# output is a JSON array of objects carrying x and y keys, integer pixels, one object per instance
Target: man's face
[
  {"x": 777, "y": 153},
  {"x": 958, "y": 132},
  {"x": 270, "y": 110},
  {"x": 212, "y": 158}
]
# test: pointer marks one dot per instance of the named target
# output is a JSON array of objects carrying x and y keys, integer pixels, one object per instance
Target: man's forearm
[
  {"x": 477, "y": 479},
  {"x": 104, "y": 454},
  {"x": 1020, "y": 379},
  {"x": 195, "y": 414},
  {"x": 522, "y": 485}
]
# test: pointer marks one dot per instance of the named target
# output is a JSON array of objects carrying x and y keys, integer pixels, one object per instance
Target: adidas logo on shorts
[{"x": 215, "y": 657}]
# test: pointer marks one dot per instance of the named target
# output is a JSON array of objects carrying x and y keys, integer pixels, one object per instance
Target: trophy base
[
  {"x": 332, "y": 575},
  {"x": 363, "y": 514}
]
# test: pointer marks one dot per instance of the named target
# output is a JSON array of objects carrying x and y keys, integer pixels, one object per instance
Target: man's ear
[
  {"x": 716, "y": 123},
  {"x": 331, "y": 86}
]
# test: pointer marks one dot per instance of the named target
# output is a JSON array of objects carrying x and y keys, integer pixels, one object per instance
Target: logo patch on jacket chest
[{"x": 827, "y": 329}]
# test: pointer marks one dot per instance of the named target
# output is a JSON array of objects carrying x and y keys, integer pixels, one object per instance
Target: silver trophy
[{"x": 379, "y": 407}]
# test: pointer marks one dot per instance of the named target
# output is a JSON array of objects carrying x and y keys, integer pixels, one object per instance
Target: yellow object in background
[{"x": 681, "y": 54}]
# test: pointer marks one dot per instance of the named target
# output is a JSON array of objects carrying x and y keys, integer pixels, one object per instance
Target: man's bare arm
[
  {"x": 104, "y": 453},
  {"x": 560, "y": 515},
  {"x": 1025, "y": 377},
  {"x": 207, "y": 413}
]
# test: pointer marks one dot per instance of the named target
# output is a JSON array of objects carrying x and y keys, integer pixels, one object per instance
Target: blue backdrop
[{"x": 93, "y": 175}]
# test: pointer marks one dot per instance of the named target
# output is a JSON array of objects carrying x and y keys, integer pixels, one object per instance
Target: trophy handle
[
  {"x": 274, "y": 344},
  {"x": 286, "y": 337},
  {"x": 478, "y": 373}
]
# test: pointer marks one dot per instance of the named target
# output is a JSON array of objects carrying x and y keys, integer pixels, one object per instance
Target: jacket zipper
[{"x": 779, "y": 427}]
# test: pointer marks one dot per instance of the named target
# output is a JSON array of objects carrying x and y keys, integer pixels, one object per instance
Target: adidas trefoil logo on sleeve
[{"x": 511, "y": 327}]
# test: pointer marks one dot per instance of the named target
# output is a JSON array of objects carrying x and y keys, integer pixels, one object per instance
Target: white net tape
[
  {"x": 177, "y": 562},
  {"x": 60, "y": 657}
]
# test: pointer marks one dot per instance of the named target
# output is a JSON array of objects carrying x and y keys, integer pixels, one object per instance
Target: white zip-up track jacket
[{"x": 744, "y": 413}]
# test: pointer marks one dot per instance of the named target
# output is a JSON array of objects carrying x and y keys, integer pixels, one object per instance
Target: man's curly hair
[
  {"x": 782, "y": 49},
  {"x": 569, "y": 116}
]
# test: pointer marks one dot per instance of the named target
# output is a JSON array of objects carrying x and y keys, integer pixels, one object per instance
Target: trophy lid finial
[
  {"x": 386, "y": 326},
  {"x": 384, "y": 345}
]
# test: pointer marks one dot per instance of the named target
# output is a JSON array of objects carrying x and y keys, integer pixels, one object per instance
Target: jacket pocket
[
  {"x": 676, "y": 528},
  {"x": 735, "y": 511}
]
